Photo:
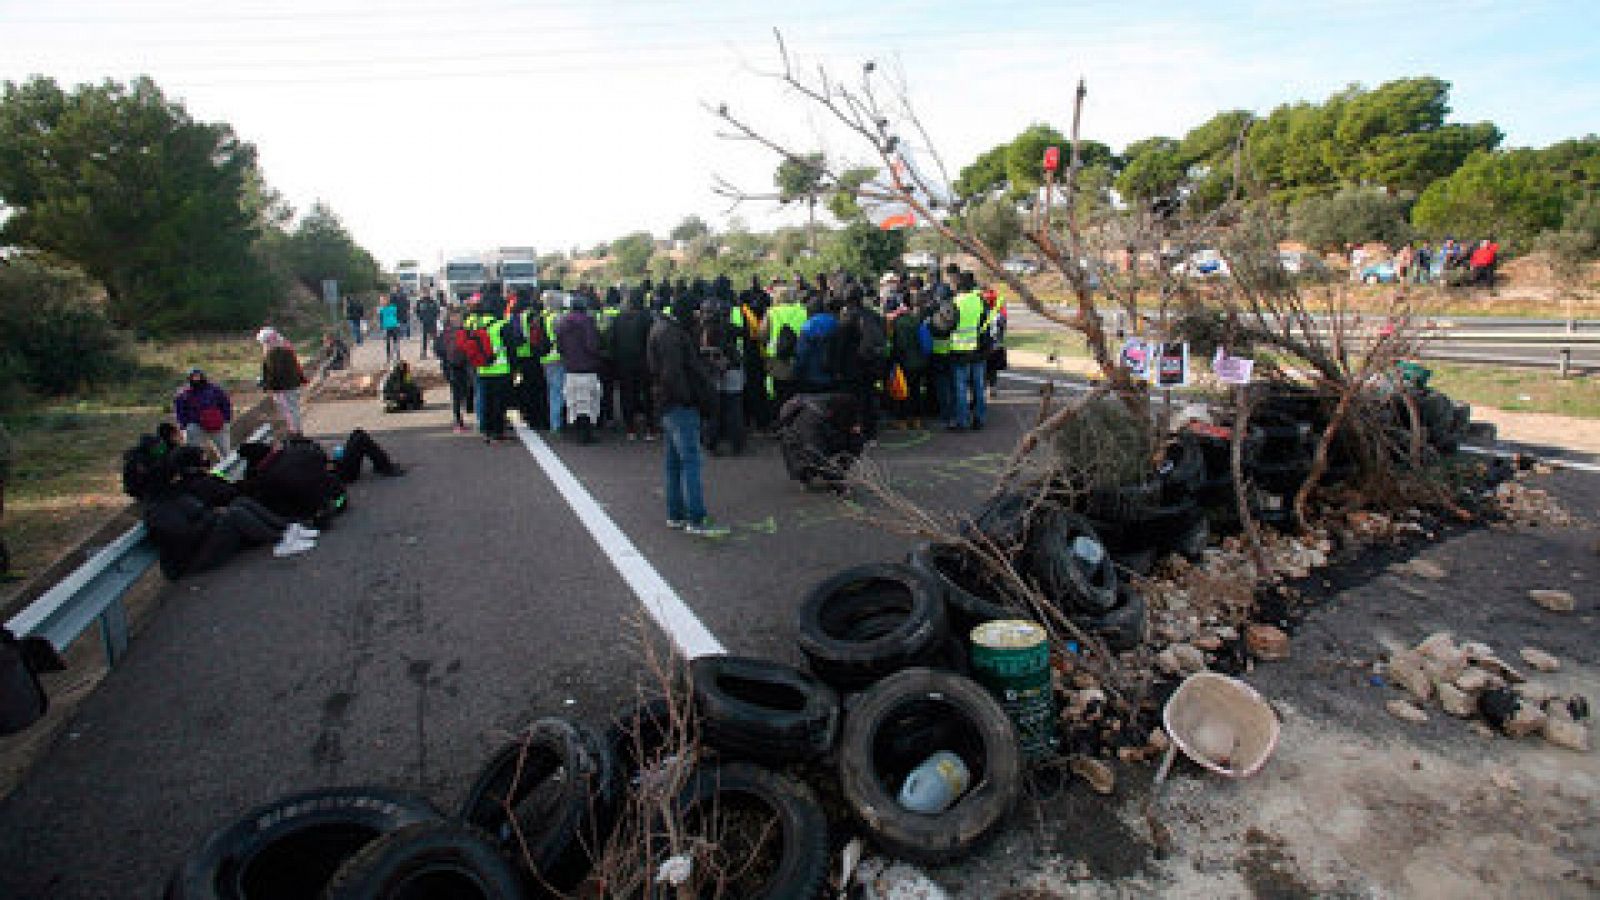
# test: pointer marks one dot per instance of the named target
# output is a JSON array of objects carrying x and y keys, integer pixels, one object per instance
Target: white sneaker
[
  {"x": 291, "y": 547},
  {"x": 302, "y": 533}
]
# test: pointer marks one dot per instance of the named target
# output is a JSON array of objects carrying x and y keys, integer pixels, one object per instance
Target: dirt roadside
[{"x": 1356, "y": 803}]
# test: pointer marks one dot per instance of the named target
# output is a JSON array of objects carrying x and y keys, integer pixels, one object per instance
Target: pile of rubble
[{"x": 1470, "y": 681}]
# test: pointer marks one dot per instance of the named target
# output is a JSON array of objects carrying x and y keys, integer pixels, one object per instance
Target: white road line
[{"x": 687, "y": 632}]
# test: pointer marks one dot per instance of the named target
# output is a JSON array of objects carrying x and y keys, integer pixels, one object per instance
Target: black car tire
[
  {"x": 893, "y": 728},
  {"x": 292, "y": 846},
  {"x": 762, "y": 710},
  {"x": 868, "y": 621},
  {"x": 432, "y": 859},
  {"x": 966, "y": 610},
  {"x": 1069, "y": 581}
]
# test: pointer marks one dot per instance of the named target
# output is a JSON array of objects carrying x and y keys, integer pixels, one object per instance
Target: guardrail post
[
  {"x": 114, "y": 631},
  {"x": 1566, "y": 361}
]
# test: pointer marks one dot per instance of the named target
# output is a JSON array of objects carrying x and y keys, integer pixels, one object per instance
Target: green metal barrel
[{"x": 1011, "y": 658}]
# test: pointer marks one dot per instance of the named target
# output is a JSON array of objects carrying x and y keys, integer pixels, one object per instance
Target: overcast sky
[{"x": 433, "y": 126}]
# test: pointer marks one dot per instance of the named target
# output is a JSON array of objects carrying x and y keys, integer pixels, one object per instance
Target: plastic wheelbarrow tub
[{"x": 1222, "y": 724}]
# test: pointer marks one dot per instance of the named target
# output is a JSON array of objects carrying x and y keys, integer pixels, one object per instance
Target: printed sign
[
  {"x": 1232, "y": 369},
  {"x": 1136, "y": 357},
  {"x": 1169, "y": 366}
]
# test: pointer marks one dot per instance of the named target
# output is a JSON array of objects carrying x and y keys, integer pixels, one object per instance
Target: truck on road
[
  {"x": 408, "y": 272},
  {"x": 516, "y": 268},
  {"x": 462, "y": 277}
]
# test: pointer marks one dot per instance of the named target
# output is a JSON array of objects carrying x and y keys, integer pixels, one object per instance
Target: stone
[
  {"x": 1421, "y": 568},
  {"x": 1564, "y": 732},
  {"x": 1539, "y": 659},
  {"x": 1456, "y": 702},
  {"x": 1439, "y": 645},
  {"x": 1159, "y": 740},
  {"x": 1167, "y": 662},
  {"x": 1190, "y": 659},
  {"x": 1536, "y": 692},
  {"x": 1102, "y": 780},
  {"x": 1210, "y": 643},
  {"x": 1555, "y": 601},
  {"x": 1082, "y": 703},
  {"x": 1266, "y": 642},
  {"x": 1406, "y": 670},
  {"x": 1405, "y": 711},
  {"x": 1473, "y": 680},
  {"x": 1528, "y": 719}
]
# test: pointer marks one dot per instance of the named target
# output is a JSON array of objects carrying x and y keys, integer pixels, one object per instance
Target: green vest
[
  {"x": 501, "y": 364},
  {"x": 790, "y": 314},
  {"x": 525, "y": 349},
  {"x": 965, "y": 338},
  {"x": 554, "y": 356}
]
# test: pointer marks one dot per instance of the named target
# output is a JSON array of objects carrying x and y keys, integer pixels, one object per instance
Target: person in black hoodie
[
  {"x": 685, "y": 391},
  {"x": 628, "y": 337},
  {"x": 298, "y": 480},
  {"x": 198, "y": 521}
]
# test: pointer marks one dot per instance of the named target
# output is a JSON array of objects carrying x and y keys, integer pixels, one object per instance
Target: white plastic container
[{"x": 934, "y": 786}]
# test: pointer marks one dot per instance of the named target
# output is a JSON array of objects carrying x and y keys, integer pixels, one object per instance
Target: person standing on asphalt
[
  {"x": 389, "y": 324},
  {"x": 577, "y": 340},
  {"x": 629, "y": 336},
  {"x": 203, "y": 411},
  {"x": 453, "y": 366},
  {"x": 427, "y": 320},
  {"x": 814, "y": 353},
  {"x": 684, "y": 391},
  {"x": 968, "y": 401},
  {"x": 555, "y": 374},
  {"x": 355, "y": 312},
  {"x": 281, "y": 376},
  {"x": 402, "y": 309},
  {"x": 494, "y": 377},
  {"x": 907, "y": 327},
  {"x": 528, "y": 390}
]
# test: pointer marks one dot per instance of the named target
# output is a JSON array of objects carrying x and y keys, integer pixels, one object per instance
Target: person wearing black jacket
[
  {"x": 298, "y": 480},
  {"x": 629, "y": 335},
  {"x": 355, "y": 312},
  {"x": 198, "y": 521},
  {"x": 821, "y": 436},
  {"x": 684, "y": 390}
]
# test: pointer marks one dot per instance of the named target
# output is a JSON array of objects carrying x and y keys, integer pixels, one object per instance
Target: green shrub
[{"x": 53, "y": 336}]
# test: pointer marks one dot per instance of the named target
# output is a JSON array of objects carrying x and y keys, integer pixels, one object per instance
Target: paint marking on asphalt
[{"x": 663, "y": 604}]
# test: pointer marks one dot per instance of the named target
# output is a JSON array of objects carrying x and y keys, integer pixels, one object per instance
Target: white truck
[
  {"x": 409, "y": 273},
  {"x": 517, "y": 268},
  {"x": 462, "y": 277}
]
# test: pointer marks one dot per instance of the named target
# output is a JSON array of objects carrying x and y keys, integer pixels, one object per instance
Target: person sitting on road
[
  {"x": 299, "y": 480},
  {"x": 400, "y": 390},
  {"x": 821, "y": 436},
  {"x": 192, "y": 535},
  {"x": 150, "y": 460}
]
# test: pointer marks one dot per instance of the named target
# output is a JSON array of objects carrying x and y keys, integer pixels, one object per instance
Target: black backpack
[
  {"x": 144, "y": 466},
  {"x": 873, "y": 349}
]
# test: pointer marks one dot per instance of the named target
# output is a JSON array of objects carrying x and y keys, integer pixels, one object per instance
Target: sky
[{"x": 434, "y": 127}]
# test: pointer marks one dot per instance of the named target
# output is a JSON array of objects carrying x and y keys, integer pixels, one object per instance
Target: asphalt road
[{"x": 443, "y": 611}]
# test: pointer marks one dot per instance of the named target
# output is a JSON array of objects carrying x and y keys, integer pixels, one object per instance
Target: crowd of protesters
[{"x": 1450, "y": 262}]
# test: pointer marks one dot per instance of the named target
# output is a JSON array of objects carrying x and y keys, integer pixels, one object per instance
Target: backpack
[
  {"x": 142, "y": 466},
  {"x": 945, "y": 318},
  {"x": 515, "y": 335},
  {"x": 475, "y": 346},
  {"x": 873, "y": 350},
  {"x": 788, "y": 342}
]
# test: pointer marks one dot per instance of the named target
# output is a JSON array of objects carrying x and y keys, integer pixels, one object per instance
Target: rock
[
  {"x": 1228, "y": 633},
  {"x": 1406, "y": 670},
  {"x": 1528, "y": 719},
  {"x": 1190, "y": 659},
  {"x": 1421, "y": 568},
  {"x": 1456, "y": 702},
  {"x": 1439, "y": 645},
  {"x": 1167, "y": 662},
  {"x": 1564, "y": 732},
  {"x": 1405, "y": 711},
  {"x": 1210, "y": 643},
  {"x": 1102, "y": 780},
  {"x": 1473, "y": 680},
  {"x": 1476, "y": 650},
  {"x": 1504, "y": 780},
  {"x": 1266, "y": 642},
  {"x": 1555, "y": 601},
  {"x": 1083, "y": 703},
  {"x": 1539, "y": 659},
  {"x": 1498, "y": 667},
  {"x": 1159, "y": 740},
  {"x": 1535, "y": 692}
]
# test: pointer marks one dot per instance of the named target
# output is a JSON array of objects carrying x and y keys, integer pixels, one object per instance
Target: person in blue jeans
[{"x": 684, "y": 388}]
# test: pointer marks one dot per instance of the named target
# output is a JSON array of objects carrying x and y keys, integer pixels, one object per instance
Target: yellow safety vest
[
  {"x": 790, "y": 314},
  {"x": 965, "y": 338},
  {"x": 554, "y": 356},
  {"x": 501, "y": 364},
  {"x": 525, "y": 350}
]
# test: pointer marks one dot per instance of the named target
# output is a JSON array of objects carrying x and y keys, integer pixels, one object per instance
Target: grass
[
  {"x": 66, "y": 477},
  {"x": 1519, "y": 390}
]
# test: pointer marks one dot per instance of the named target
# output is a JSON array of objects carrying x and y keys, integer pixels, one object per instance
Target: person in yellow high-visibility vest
[
  {"x": 494, "y": 377},
  {"x": 555, "y": 374},
  {"x": 968, "y": 401},
  {"x": 528, "y": 391},
  {"x": 787, "y": 314}
]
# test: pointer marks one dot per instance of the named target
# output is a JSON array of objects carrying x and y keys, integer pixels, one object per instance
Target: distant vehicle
[
  {"x": 1380, "y": 273},
  {"x": 1022, "y": 265},
  {"x": 462, "y": 277},
  {"x": 409, "y": 273},
  {"x": 919, "y": 260},
  {"x": 1206, "y": 263},
  {"x": 516, "y": 268},
  {"x": 1297, "y": 262}
]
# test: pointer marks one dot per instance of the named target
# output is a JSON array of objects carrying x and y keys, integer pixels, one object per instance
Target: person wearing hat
[
  {"x": 281, "y": 376},
  {"x": 203, "y": 411}
]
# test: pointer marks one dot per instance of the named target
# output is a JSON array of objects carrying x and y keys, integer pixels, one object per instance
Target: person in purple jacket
[{"x": 204, "y": 413}]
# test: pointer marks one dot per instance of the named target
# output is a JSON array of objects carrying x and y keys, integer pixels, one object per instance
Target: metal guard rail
[{"x": 94, "y": 590}]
